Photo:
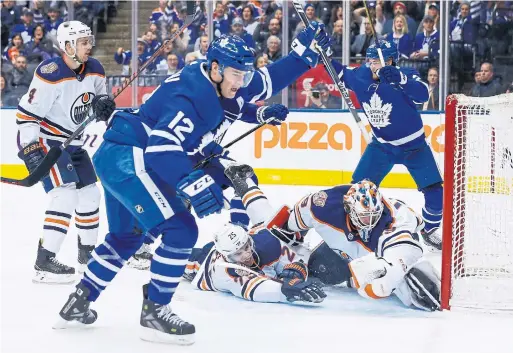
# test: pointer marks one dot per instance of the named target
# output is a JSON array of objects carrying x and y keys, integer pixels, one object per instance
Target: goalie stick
[
  {"x": 55, "y": 152},
  {"x": 334, "y": 77}
]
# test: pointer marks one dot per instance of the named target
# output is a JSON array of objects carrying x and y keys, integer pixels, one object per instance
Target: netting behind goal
[{"x": 477, "y": 260}]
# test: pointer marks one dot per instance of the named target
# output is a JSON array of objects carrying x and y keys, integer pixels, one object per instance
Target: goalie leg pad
[{"x": 424, "y": 283}]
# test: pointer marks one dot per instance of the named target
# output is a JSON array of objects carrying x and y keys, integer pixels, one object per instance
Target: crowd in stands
[{"x": 480, "y": 35}]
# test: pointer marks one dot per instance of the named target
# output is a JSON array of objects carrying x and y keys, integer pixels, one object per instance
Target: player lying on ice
[
  {"x": 377, "y": 235},
  {"x": 145, "y": 167}
]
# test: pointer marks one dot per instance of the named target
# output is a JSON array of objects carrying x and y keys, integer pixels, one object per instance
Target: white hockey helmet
[
  {"x": 364, "y": 204},
  {"x": 234, "y": 243},
  {"x": 71, "y": 31}
]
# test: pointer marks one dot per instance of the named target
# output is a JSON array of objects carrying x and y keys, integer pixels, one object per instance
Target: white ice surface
[{"x": 345, "y": 322}]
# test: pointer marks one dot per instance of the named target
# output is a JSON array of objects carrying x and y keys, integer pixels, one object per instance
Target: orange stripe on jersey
[
  {"x": 58, "y": 221},
  {"x": 51, "y": 128},
  {"x": 67, "y": 78},
  {"x": 299, "y": 217},
  {"x": 250, "y": 286},
  {"x": 25, "y": 117},
  {"x": 53, "y": 173},
  {"x": 370, "y": 292},
  {"x": 250, "y": 195},
  {"x": 86, "y": 220},
  {"x": 192, "y": 266}
]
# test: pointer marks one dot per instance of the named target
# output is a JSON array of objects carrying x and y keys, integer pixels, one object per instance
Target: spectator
[
  {"x": 20, "y": 77},
  {"x": 26, "y": 27},
  {"x": 221, "y": 22},
  {"x": 400, "y": 37},
  {"x": 320, "y": 98},
  {"x": 362, "y": 41},
  {"x": 433, "y": 85},
  {"x": 38, "y": 9},
  {"x": 462, "y": 29},
  {"x": 248, "y": 20},
  {"x": 273, "y": 49},
  {"x": 431, "y": 9},
  {"x": 376, "y": 14},
  {"x": 16, "y": 43},
  {"x": 202, "y": 52},
  {"x": 123, "y": 57},
  {"x": 4, "y": 90},
  {"x": 172, "y": 65},
  {"x": 83, "y": 12},
  {"x": 310, "y": 14},
  {"x": 261, "y": 61},
  {"x": 39, "y": 48},
  {"x": 426, "y": 41},
  {"x": 337, "y": 14},
  {"x": 181, "y": 42},
  {"x": 11, "y": 14},
  {"x": 260, "y": 37},
  {"x": 238, "y": 29},
  {"x": 54, "y": 21},
  {"x": 152, "y": 44},
  {"x": 489, "y": 85},
  {"x": 337, "y": 38},
  {"x": 399, "y": 8}
]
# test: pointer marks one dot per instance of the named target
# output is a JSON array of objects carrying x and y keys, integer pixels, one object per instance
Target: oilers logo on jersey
[
  {"x": 378, "y": 113},
  {"x": 80, "y": 107}
]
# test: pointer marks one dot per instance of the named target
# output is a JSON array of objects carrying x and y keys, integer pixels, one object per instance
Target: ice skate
[
  {"x": 141, "y": 260},
  {"x": 433, "y": 239},
  {"x": 160, "y": 324},
  {"x": 49, "y": 270},
  {"x": 84, "y": 254},
  {"x": 76, "y": 313}
]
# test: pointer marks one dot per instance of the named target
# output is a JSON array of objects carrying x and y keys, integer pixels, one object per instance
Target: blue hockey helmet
[
  {"x": 232, "y": 51},
  {"x": 388, "y": 49}
]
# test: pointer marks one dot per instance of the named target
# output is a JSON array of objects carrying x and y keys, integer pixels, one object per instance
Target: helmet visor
[
  {"x": 238, "y": 77},
  {"x": 85, "y": 41}
]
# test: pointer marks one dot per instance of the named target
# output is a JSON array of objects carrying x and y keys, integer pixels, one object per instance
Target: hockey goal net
[{"x": 477, "y": 254}]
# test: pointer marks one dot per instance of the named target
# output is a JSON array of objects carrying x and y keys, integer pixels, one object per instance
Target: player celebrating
[
  {"x": 378, "y": 236},
  {"x": 59, "y": 99},
  {"x": 388, "y": 95},
  {"x": 253, "y": 268},
  {"x": 144, "y": 167}
]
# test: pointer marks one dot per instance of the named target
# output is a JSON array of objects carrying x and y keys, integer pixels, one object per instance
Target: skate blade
[
  {"x": 42, "y": 277},
  {"x": 156, "y": 336},
  {"x": 142, "y": 265},
  {"x": 62, "y": 324}
]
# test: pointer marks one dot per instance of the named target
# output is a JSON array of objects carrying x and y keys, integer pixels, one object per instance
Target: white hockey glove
[{"x": 374, "y": 277}]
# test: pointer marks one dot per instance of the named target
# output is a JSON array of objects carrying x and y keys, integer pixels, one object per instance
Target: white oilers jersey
[
  {"x": 323, "y": 211},
  {"x": 58, "y": 100}
]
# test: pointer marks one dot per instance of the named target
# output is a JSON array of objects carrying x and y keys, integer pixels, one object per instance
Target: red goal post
[{"x": 477, "y": 251}]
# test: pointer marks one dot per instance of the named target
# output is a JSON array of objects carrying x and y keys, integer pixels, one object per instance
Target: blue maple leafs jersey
[
  {"x": 184, "y": 114},
  {"x": 390, "y": 109}
]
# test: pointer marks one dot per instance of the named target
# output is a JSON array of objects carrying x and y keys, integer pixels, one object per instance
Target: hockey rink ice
[{"x": 344, "y": 322}]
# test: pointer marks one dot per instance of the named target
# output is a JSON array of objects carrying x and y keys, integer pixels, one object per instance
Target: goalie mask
[
  {"x": 364, "y": 205},
  {"x": 235, "y": 244}
]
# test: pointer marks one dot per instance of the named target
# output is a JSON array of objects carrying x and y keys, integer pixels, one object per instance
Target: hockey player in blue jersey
[
  {"x": 145, "y": 167},
  {"x": 388, "y": 96}
]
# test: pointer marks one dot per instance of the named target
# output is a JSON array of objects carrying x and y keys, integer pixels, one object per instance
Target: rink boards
[{"x": 311, "y": 148}]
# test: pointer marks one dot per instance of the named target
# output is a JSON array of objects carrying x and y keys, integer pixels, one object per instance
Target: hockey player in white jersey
[
  {"x": 59, "y": 99},
  {"x": 256, "y": 268},
  {"x": 378, "y": 236}
]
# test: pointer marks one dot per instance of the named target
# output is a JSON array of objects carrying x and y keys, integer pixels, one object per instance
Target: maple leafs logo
[{"x": 378, "y": 113}]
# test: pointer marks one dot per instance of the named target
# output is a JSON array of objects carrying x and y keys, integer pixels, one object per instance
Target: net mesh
[{"x": 482, "y": 225}]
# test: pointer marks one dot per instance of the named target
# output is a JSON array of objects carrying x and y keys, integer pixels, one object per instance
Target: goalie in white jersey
[
  {"x": 377, "y": 235},
  {"x": 58, "y": 100}
]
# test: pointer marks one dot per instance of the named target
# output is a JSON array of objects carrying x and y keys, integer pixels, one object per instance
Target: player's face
[
  {"x": 374, "y": 64},
  {"x": 244, "y": 255},
  {"x": 233, "y": 80},
  {"x": 84, "y": 47}
]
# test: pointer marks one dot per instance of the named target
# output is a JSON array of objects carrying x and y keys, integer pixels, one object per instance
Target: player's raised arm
[
  {"x": 406, "y": 78},
  {"x": 270, "y": 80}
]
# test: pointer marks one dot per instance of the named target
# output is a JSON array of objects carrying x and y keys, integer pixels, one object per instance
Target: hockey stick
[
  {"x": 204, "y": 162},
  {"x": 55, "y": 152},
  {"x": 334, "y": 77},
  {"x": 380, "y": 53}
]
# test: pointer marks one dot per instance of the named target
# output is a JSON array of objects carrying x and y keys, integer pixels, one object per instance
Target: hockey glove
[
  {"x": 202, "y": 192},
  {"x": 391, "y": 75},
  {"x": 294, "y": 270},
  {"x": 303, "y": 46},
  {"x": 212, "y": 148},
  {"x": 307, "y": 291},
  {"x": 33, "y": 154},
  {"x": 103, "y": 107},
  {"x": 277, "y": 111}
]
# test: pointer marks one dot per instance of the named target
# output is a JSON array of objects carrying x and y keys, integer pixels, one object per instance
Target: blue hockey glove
[
  {"x": 33, "y": 154},
  {"x": 202, "y": 192},
  {"x": 277, "y": 111},
  {"x": 294, "y": 270},
  {"x": 212, "y": 148},
  {"x": 303, "y": 46},
  {"x": 307, "y": 291},
  {"x": 391, "y": 75},
  {"x": 103, "y": 107}
]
